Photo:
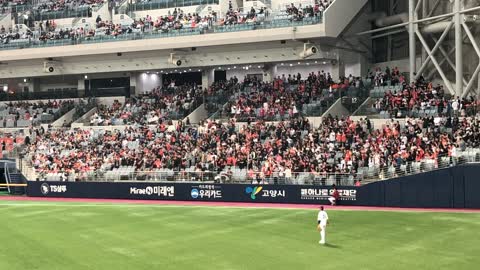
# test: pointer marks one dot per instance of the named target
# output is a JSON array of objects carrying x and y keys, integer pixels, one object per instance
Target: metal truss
[
  {"x": 429, "y": 29},
  {"x": 456, "y": 21}
]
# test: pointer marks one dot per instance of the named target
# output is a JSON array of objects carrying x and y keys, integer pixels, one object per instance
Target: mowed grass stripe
[{"x": 59, "y": 236}]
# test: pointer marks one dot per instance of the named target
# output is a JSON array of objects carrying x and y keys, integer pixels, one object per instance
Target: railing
[
  {"x": 82, "y": 108},
  {"x": 31, "y": 43},
  {"x": 151, "y": 5},
  {"x": 97, "y": 7},
  {"x": 121, "y": 6},
  {"x": 236, "y": 175},
  {"x": 107, "y": 91},
  {"x": 81, "y": 12},
  {"x": 56, "y": 93},
  {"x": 182, "y": 113},
  {"x": 427, "y": 111},
  {"x": 4, "y": 11}
]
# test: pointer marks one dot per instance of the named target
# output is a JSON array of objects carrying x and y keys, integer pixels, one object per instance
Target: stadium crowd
[
  {"x": 58, "y": 5},
  {"x": 153, "y": 107},
  {"x": 33, "y": 112},
  {"x": 338, "y": 145},
  {"x": 420, "y": 96},
  {"x": 285, "y": 97},
  {"x": 175, "y": 19},
  {"x": 381, "y": 78},
  {"x": 299, "y": 13}
]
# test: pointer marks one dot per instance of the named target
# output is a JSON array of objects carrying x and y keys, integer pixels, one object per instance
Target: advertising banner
[
  {"x": 191, "y": 192},
  {"x": 455, "y": 187}
]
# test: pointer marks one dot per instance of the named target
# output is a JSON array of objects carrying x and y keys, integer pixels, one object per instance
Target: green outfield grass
[{"x": 47, "y": 236}]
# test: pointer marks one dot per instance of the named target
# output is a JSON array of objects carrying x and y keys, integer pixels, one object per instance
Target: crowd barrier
[{"x": 455, "y": 187}]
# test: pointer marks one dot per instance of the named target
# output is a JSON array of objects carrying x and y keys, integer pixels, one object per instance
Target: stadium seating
[
  {"x": 175, "y": 22},
  {"x": 26, "y": 114}
]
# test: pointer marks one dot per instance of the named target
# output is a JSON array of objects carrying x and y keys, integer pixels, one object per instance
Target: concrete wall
[
  {"x": 337, "y": 109},
  {"x": 84, "y": 118},
  {"x": 145, "y": 82},
  {"x": 169, "y": 43},
  {"x": 304, "y": 69},
  {"x": 339, "y": 14},
  {"x": 199, "y": 114},
  {"x": 403, "y": 64},
  {"x": 65, "y": 119},
  {"x": 6, "y": 21},
  {"x": 241, "y": 73},
  {"x": 379, "y": 123}
]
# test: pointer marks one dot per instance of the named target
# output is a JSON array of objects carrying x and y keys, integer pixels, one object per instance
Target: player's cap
[{"x": 321, "y": 207}]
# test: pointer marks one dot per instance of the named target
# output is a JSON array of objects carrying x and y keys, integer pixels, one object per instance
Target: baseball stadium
[{"x": 239, "y": 134}]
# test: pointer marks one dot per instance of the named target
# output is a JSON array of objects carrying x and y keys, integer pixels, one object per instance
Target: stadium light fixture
[
  {"x": 282, "y": 64},
  {"x": 291, "y": 65},
  {"x": 234, "y": 66},
  {"x": 259, "y": 67},
  {"x": 246, "y": 68},
  {"x": 316, "y": 62},
  {"x": 5, "y": 88},
  {"x": 86, "y": 77},
  {"x": 25, "y": 80}
]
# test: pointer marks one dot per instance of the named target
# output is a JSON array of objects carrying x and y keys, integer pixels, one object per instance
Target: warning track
[{"x": 228, "y": 204}]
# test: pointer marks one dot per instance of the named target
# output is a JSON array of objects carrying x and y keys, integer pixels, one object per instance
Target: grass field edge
[{"x": 14, "y": 200}]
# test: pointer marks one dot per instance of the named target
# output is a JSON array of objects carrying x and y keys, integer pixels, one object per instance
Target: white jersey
[{"x": 322, "y": 218}]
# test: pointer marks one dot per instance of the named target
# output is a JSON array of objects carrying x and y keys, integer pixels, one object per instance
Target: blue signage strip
[{"x": 192, "y": 192}]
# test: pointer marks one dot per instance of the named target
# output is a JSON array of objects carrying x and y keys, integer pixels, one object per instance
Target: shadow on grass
[{"x": 331, "y": 245}]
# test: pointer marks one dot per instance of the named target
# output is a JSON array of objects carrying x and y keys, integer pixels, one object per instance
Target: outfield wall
[{"x": 455, "y": 187}]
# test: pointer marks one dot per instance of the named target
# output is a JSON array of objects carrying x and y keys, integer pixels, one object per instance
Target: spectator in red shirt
[{"x": 335, "y": 196}]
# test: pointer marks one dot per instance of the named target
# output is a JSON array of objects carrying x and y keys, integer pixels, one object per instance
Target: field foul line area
[{"x": 73, "y": 202}]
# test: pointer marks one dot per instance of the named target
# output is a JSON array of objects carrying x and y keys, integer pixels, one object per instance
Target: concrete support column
[
  {"x": 207, "y": 77},
  {"x": 134, "y": 90},
  {"x": 269, "y": 73},
  {"x": 411, "y": 38},
  {"x": 35, "y": 83},
  {"x": 424, "y": 15},
  {"x": 363, "y": 66},
  {"x": 458, "y": 48},
  {"x": 338, "y": 70},
  {"x": 477, "y": 94},
  {"x": 81, "y": 87}
]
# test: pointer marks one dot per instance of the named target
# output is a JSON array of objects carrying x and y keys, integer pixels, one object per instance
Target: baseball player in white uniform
[{"x": 322, "y": 224}]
